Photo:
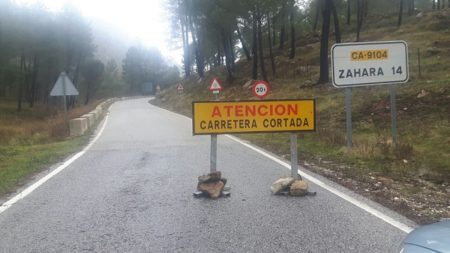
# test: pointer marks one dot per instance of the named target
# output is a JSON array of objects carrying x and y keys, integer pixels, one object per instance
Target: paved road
[{"x": 132, "y": 192}]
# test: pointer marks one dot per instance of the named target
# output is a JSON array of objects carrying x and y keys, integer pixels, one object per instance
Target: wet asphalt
[{"x": 132, "y": 192}]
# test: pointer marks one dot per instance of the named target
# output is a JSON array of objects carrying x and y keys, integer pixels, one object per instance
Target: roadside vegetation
[
  {"x": 32, "y": 140},
  {"x": 36, "y": 45},
  {"x": 413, "y": 176}
]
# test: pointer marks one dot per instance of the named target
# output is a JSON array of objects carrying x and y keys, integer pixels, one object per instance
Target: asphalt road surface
[{"x": 132, "y": 192}]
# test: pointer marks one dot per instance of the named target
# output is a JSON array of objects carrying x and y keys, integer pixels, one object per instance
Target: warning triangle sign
[
  {"x": 215, "y": 84},
  {"x": 180, "y": 86},
  {"x": 63, "y": 86}
]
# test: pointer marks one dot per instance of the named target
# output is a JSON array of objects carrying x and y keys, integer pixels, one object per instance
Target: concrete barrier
[
  {"x": 98, "y": 113},
  {"x": 91, "y": 119},
  {"x": 78, "y": 126}
]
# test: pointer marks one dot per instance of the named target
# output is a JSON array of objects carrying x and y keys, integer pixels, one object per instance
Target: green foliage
[
  {"x": 143, "y": 65},
  {"x": 92, "y": 72},
  {"x": 36, "y": 45},
  {"x": 19, "y": 162},
  {"x": 112, "y": 84}
]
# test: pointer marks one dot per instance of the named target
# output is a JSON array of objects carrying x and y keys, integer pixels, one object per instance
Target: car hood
[{"x": 434, "y": 236}]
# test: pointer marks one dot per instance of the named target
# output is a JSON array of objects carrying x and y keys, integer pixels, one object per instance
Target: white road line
[
  {"x": 41, "y": 181},
  {"x": 405, "y": 228}
]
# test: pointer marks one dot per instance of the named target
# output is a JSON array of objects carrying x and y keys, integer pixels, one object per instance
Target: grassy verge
[
  {"x": 19, "y": 162},
  {"x": 34, "y": 139}
]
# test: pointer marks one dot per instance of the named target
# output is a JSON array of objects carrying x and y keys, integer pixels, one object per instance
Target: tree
[
  {"x": 143, "y": 65},
  {"x": 292, "y": 25},
  {"x": 92, "y": 72},
  {"x": 326, "y": 12}
]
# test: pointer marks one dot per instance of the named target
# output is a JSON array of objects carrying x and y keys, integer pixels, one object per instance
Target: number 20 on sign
[{"x": 260, "y": 89}]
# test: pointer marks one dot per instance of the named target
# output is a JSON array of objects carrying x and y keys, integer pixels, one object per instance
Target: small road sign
[
  {"x": 63, "y": 87},
  {"x": 215, "y": 85},
  {"x": 260, "y": 89},
  {"x": 369, "y": 63},
  {"x": 180, "y": 87}
]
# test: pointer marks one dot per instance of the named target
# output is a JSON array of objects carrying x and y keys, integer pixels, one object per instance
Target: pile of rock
[
  {"x": 288, "y": 185},
  {"x": 211, "y": 185}
]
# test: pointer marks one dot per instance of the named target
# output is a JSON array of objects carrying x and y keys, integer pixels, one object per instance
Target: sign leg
[
  {"x": 66, "y": 118},
  {"x": 294, "y": 158},
  {"x": 393, "y": 105},
  {"x": 213, "y": 156},
  {"x": 348, "y": 113}
]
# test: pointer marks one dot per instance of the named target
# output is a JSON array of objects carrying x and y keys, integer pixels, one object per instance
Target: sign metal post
[
  {"x": 215, "y": 87},
  {"x": 294, "y": 156},
  {"x": 348, "y": 115},
  {"x": 393, "y": 106},
  {"x": 213, "y": 164},
  {"x": 66, "y": 118}
]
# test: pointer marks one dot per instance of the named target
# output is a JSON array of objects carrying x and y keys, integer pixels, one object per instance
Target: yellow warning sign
[{"x": 253, "y": 116}]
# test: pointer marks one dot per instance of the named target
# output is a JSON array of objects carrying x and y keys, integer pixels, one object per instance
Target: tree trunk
[
  {"x": 33, "y": 81},
  {"x": 227, "y": 52},
  {"x": 185, "y": 36},
  {"x": 438, "y": 4},
  {"x": 291, "y": 22},
  {"x": 88, "y": 93},
  {"x": 434, "y": 4},
  {"x": 359, "y": 18},
  {"x": 219, "y": 55},
  {"x": 196, "y": 41},
  {"x": 316, "y": 19},
  {"x": 231, "y": 52},
  {"x": 348, "y": 11},
  {"x": 21, "y": 82},
  {"x": 283, "y": 25},
  {"x": 260, "y": 47},
  {"x": 326, "y": 13},
  {"x": 244, "y": 45},
  {"x": 410, "y": 7},
  {"x": 400, "y": 14},
  {"x": 274, "y": 39},
  {"x": 272, "y": 60},
  {"x": 255, "y": 49},
  {"x": 365, "y": 8},
  {"x": 337, "y": 31}
]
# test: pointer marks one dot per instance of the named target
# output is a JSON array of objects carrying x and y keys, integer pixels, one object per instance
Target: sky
[{"x": 140, "y": 20}]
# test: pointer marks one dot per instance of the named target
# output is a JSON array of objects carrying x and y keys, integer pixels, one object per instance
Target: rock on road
[{"x": 132, "y": 192}]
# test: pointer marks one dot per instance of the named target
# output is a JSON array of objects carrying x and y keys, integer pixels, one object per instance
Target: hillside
[{"x": 412, "y": 177}]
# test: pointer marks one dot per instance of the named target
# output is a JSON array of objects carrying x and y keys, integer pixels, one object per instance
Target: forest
[
  {"x": 218, "y": 33},
  {"x": 36, "y": 45}
]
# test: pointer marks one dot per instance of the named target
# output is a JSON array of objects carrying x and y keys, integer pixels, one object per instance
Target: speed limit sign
[{"x": 261, "y": 89}]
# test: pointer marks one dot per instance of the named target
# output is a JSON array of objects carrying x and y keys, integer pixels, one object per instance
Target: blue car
[{"x": 433, "y": 238}]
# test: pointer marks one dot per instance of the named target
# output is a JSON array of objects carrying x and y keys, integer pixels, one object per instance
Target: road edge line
[
  {"x": 401, "y": 226},
  {"x": 53, "y": 173}
]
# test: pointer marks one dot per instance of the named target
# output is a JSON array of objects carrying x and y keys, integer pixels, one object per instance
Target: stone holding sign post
[{"x": 367, "y": 64}]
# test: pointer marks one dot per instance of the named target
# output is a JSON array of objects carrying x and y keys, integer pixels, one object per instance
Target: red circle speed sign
[{"x": 261, "y": 89}]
